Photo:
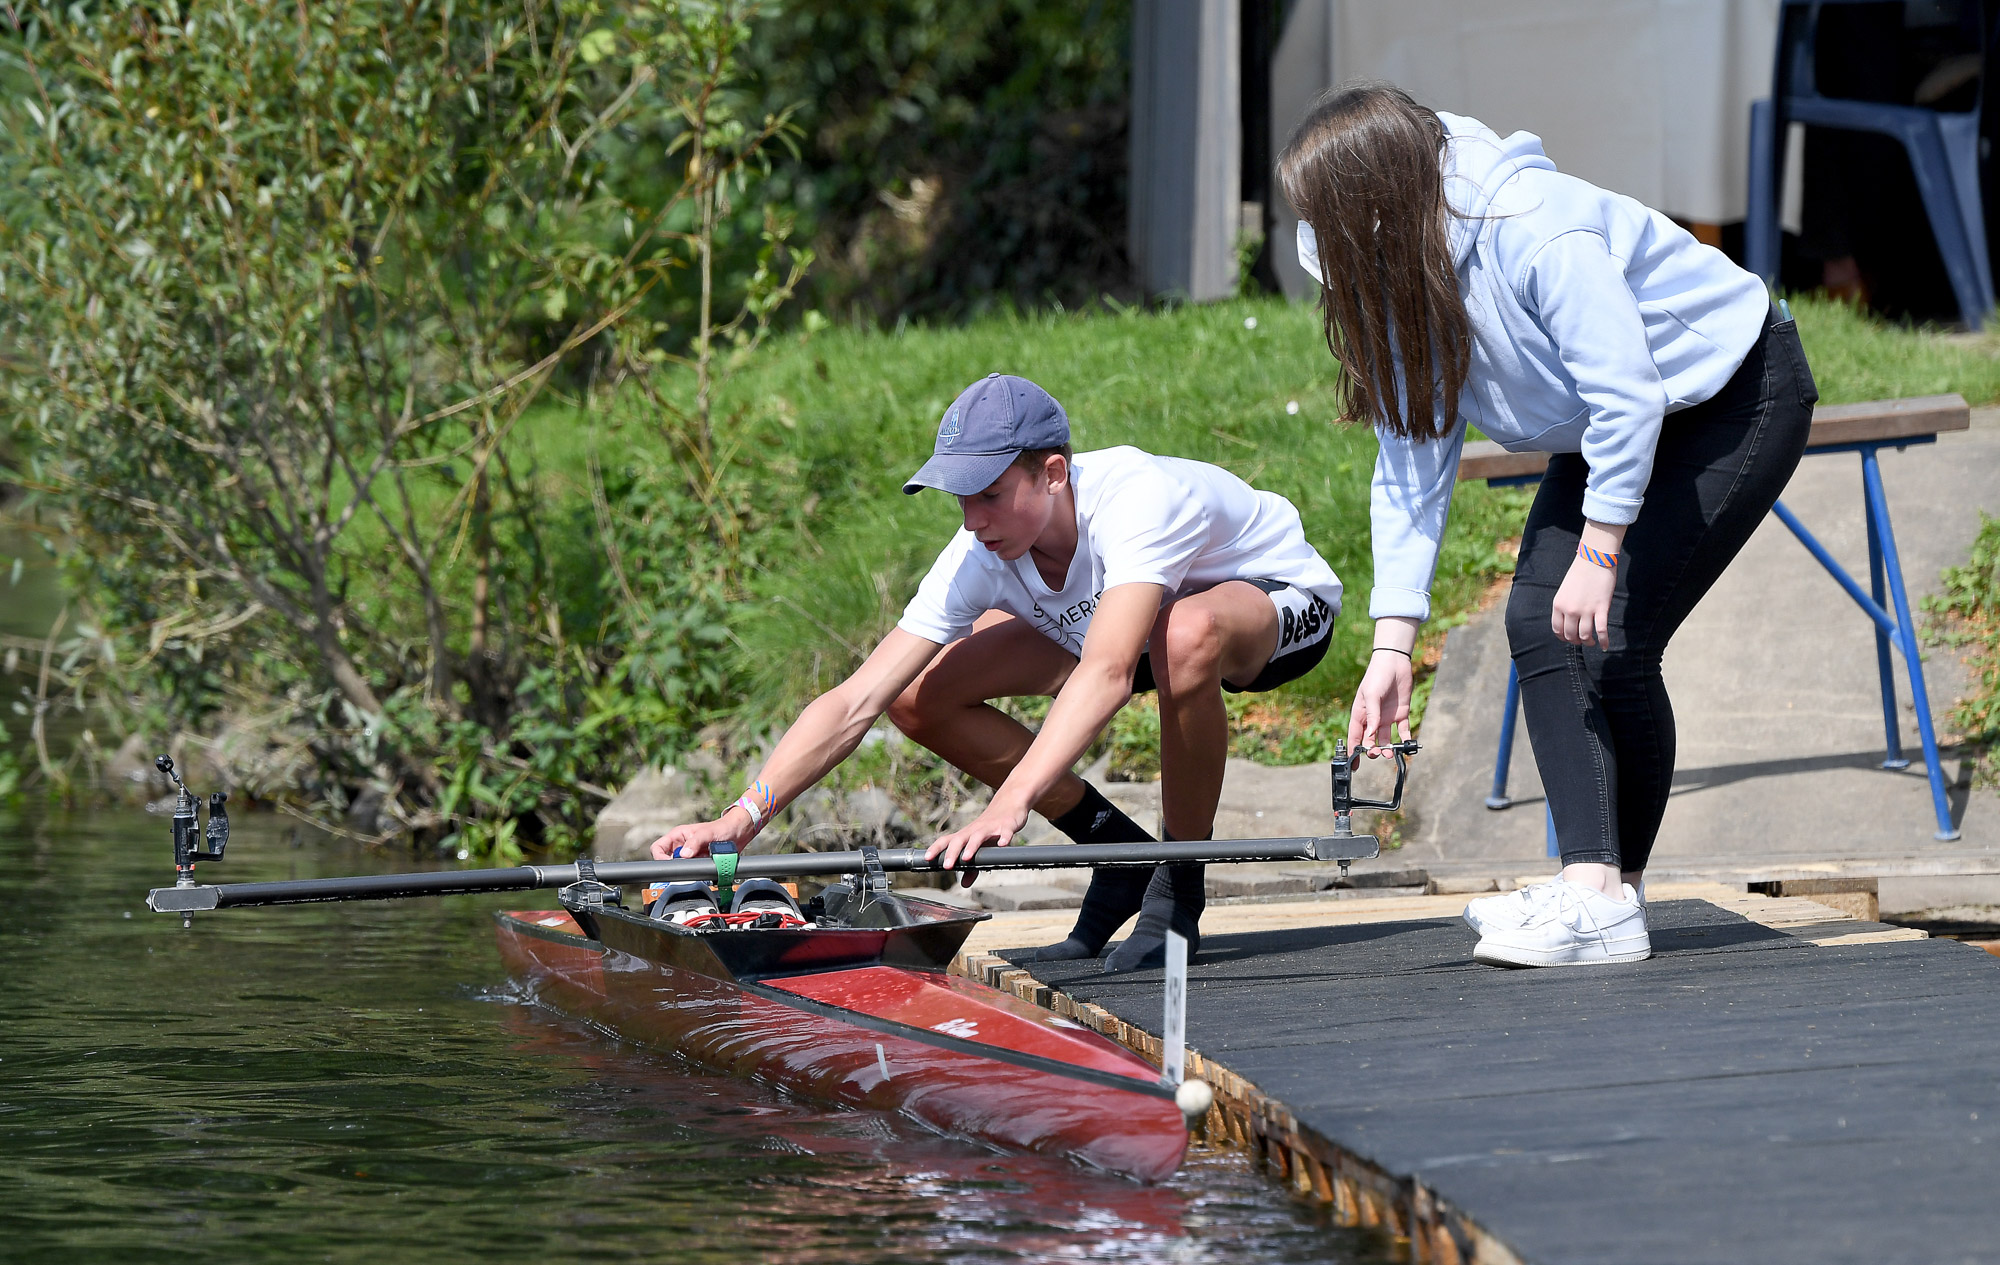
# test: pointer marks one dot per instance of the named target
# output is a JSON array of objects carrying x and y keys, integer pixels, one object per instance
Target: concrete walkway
[{"x": 1777, "y": 706}]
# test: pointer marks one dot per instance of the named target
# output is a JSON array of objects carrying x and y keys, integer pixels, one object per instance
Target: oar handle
[{"x": 521, "y": 878}]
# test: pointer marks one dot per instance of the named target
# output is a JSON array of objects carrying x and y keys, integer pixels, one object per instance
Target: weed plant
[{"x": 1966, "y": 617}]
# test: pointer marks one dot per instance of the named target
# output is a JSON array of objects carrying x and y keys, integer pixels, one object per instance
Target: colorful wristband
[
  {"x": 756, "y": 800},
  {"x": 1605, "y": 560}
]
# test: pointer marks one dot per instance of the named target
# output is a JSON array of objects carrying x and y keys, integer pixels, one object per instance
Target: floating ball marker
[{"x": 1194, "y": 1098}]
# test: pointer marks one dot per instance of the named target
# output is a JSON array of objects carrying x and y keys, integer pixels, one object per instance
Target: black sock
[
  {"x": 1116, "y": 892},
  {"x": 1174, "y": 901},
  {"x": 1096, "y": 819}
]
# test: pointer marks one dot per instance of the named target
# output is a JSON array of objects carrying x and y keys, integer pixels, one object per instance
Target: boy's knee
[
  {"x": 1193, "y": 638},
  {"x": 909, "y": 712}
]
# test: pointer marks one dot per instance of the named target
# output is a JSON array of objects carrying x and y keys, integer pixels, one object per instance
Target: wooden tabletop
[{"x": 1875, "y": 420}]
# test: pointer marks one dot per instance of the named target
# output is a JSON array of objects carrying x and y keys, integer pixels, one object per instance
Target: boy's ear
[{"x": 1055, "y": 471}]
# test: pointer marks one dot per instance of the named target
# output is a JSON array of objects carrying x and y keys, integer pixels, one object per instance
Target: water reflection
[{"x": 355, "y": 1082}]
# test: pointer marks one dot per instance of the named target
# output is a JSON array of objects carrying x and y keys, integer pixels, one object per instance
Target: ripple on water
[{"x": 359, "y": 1082}]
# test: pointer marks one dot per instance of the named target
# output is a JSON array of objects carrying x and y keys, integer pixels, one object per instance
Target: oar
[
  {"x": 196, "y": 897},
  {"x": 187, "y": 896}
]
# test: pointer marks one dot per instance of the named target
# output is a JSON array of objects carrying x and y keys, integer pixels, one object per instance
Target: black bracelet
[{"x": 1392, "y": 650}]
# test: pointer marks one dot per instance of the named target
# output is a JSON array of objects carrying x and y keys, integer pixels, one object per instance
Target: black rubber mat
[{"x": 1743, "y": 1096}]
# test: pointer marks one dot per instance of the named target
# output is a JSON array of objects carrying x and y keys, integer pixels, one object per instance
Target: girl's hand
[
  {"x": 1381, "y": 701},
  {"x": 997, "y": 825},
  {"x": 692, "y": 840},
  {"x": 1582, "y": 614}
]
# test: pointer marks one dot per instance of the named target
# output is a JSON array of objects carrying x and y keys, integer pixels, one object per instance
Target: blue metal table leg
[
  {"x": 1906, "y": 633},
  {"x": 1498, "y": 799},
  {"x": 1893, "y": 757}
]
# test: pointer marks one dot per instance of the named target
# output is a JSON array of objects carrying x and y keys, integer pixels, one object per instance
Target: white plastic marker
[
  {"x": 1193, "y": 1096},
  {"x": 1173, "y": 1030}
]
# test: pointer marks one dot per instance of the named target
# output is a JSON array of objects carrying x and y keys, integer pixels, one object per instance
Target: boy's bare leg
[
  {"x": 1228, "y": 633},
  {"x": 947, "y": 710}
]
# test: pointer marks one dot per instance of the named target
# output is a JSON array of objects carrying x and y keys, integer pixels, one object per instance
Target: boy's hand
[
  {"x": 691, "y": 840},
  {"x": 997, "y": 826}
]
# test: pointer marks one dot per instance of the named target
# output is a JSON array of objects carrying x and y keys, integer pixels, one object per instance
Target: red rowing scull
[{"x": 858, "y": 1015}]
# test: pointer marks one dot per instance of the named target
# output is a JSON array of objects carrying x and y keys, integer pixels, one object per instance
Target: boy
[{"x": 1086, "y": 578}]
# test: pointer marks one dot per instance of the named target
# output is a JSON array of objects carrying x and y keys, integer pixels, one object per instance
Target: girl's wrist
[
  {"x": 1608, "y": 559},
  {"x": 1397, "y": 633}
]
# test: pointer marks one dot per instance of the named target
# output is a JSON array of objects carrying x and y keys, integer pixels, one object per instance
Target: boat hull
[{"x": 962, "y": 1057}]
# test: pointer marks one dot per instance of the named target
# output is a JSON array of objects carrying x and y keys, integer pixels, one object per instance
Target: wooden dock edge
[
  {"x": 1314, "y": 1167},
  {"x": 1310, "y": 1165}
]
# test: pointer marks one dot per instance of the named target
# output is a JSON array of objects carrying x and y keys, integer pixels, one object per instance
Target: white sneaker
[
  {"x": 1508, "y": 909},
  {"x": 1512, "y": 909},
  {"x": 1570, "y": 925}
]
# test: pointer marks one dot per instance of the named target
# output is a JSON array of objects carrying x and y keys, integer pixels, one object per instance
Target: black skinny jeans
[{"x": 1600, "y": 721}]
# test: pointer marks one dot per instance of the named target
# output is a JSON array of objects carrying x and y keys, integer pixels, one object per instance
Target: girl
[{"x": 1465, "y": 282}]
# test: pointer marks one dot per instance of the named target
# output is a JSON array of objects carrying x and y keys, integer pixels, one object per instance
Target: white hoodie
[{"x": 1592, "y": 318}]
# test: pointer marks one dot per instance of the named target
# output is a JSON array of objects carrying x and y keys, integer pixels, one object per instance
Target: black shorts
[{"x": 1305, "y": 629}]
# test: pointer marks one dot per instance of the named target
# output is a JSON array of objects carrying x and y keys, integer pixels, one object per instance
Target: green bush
[
  {"x": 282, "y": 282},
  {"x": 955, "y": 155},
  {"x": 10, "y": 767}
]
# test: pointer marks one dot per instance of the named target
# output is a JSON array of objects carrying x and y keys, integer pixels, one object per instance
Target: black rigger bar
[{"x": 520, "y": 878}]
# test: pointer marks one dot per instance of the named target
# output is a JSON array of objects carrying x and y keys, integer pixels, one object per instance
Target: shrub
[{"x": 284, "y": 279}]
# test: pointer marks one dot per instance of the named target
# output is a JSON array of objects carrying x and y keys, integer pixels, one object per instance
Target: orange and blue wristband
[{"x": 1606, "y": 560}]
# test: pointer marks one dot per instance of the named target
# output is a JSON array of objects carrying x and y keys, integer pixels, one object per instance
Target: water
[{"x": 361, "y": 1082}]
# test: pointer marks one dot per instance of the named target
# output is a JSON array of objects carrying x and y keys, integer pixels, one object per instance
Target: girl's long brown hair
[{"x": 1364, "y": 169}]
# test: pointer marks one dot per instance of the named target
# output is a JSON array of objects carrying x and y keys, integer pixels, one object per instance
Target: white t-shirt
[{"x": 1140, "y": 519}]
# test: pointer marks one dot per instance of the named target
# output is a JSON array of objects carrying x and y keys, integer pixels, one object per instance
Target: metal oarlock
[
  {"x": 587, "y": 895},
  {"x": 189, "y": 837},
  {"x": 191, "y": 842},
  {"x": 1340, "y": 843}
]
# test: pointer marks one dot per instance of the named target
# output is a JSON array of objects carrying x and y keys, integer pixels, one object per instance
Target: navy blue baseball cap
[{"x": 990, "y": 423}]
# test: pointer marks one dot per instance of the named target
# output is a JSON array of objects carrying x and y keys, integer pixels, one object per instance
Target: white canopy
[{"x": 1650, "y": 98}]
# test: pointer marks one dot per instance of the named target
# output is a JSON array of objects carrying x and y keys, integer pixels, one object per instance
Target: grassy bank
[
  {"x": 828, "y": 425},
  {"x": 816, "y": 432},
  {"x": 833, "y": 423}
]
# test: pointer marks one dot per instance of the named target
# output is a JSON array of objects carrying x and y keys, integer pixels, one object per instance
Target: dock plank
[{"x": 1748, "y": 1094}]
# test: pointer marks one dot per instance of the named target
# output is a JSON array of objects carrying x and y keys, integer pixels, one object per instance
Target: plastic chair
[{"x": 1943, "y": 147}]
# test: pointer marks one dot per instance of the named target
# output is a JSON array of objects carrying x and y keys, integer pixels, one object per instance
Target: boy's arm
[
  {"x": 1099, "y": 686},
  {"x": 826, "y": 733}
]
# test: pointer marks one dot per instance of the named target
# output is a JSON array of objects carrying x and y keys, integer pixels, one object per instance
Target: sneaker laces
[
  {"x": 1520, "y": 905},
  {"x": 1570, "y": 906}
]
